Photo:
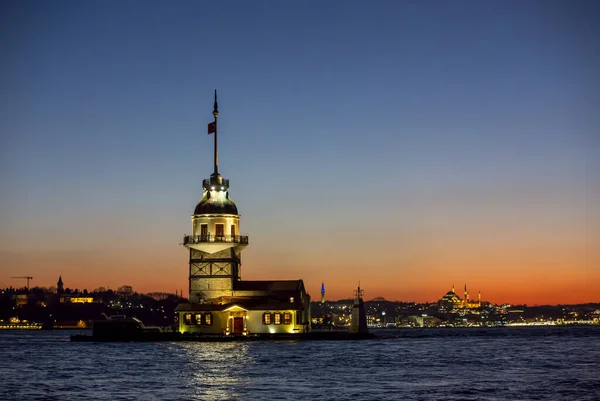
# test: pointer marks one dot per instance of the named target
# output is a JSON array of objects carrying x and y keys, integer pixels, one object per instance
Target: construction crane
[{"x": 27, "y": 278}]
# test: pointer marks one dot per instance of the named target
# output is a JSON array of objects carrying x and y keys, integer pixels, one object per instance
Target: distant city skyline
[
  {"x": 475, "y": 297},
  {"x": 408, "y": 146}
]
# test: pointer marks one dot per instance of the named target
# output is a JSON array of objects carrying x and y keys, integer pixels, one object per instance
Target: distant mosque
[
  {"x": 452, "y": 301},
  {"x": 220, "y": 301}
]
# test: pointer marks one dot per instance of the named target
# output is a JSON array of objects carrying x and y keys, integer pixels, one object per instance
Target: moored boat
[{"x": 123, "y": 328}]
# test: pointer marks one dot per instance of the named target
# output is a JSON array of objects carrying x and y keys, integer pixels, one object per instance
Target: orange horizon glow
[{"x": 556, "y": 278}]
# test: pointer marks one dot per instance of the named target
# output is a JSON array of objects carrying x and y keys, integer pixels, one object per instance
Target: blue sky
[{"x": 365, "y": 120}]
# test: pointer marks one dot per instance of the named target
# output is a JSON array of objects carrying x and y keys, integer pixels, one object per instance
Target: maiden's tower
[{"x": 220, "y": 301}]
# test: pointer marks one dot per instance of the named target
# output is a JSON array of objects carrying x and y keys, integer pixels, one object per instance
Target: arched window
[
  {"x": 266, "y": 318},
  {"x": 287, "y": 318}
]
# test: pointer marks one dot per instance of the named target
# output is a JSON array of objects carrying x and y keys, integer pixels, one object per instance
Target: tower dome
[{"x": 216, "y": 202}]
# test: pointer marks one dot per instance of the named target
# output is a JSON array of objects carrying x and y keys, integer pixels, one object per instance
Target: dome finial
[{"x": 216, "y": 106}]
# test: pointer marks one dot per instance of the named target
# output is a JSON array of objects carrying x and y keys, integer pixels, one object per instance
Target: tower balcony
[
  {"x": 199, "y": 239},
  {"x": 215, "y": 243}
]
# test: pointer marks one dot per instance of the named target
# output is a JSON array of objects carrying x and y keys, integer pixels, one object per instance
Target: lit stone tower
[{"x": 215, "y": 244}]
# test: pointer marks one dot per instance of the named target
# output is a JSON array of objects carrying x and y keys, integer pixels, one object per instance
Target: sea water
[{"x": 553, "y": 363}]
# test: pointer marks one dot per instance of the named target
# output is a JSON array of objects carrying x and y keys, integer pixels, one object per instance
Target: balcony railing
[{"x": 199, "y": 239}]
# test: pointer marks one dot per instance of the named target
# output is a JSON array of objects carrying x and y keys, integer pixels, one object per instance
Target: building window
[
  {"x": 187, "y": 318},
  {"x": 233, "y": 230},
  {"x": 287, "y": 318},
  {"x": 203, "y": 230},
  {"x": 208, "y": 319},
  {"x": 277, "y": 318},
  {"x": 220, "y": 230},
  {"x": 298, "y": 317},
  {"x": 198, "y": 318},
  {"x": 266, "y": 318}
]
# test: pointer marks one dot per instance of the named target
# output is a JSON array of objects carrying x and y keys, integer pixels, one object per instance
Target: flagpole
[{"x": 216, "y": 114}]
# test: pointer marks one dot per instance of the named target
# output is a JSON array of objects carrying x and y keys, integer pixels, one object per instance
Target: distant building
[
  {"x": 74, "y": 299},
  {"x": 452, "y": 301},
  {"x": 59, "y": 286},
  {"x": 21, "y": 299},
  {"x": 220, "y": 302}
]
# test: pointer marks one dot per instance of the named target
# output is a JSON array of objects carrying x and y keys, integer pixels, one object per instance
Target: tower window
[
  {"x": 203, "y": 230},
  {"x": 208, "y": 319},
  {"x": 187, "y": 318},
  {"x": 198, "y": 318},
  {"x": 233, "y": 230},
  {"x": 277, "y": 318},
  {"x": 220, "y": 230}
]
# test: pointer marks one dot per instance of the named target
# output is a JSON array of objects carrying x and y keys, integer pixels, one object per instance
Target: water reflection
[
  {"x": 445, "y": 364},
  {"x": 215, "y": 370}
]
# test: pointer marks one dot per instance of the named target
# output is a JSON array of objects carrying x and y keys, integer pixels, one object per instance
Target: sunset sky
[{"x": 408, "y": 145}]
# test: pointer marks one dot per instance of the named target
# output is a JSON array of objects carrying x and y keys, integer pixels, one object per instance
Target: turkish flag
[{"x": 212, "y": 128}]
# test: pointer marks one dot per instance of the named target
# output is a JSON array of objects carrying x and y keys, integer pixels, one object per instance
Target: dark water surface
[{"x": 557, "y": 363}]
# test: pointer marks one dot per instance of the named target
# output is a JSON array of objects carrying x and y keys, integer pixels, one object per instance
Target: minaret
[
  {"x": 479, "y": 296},
  {"x": 466, "y": 301},
  {"x": 322, "y": 292},
  {"x": 215, "y": 244},
  {"x": 59, "y": 286}
]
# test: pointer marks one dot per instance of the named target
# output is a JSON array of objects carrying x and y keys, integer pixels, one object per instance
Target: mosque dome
[
  {"x": 216, "y": 202},
  {"x": 450, "y": 297}
]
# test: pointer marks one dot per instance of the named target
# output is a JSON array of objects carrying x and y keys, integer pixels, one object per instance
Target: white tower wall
[{"x": 212, "y": 220}]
